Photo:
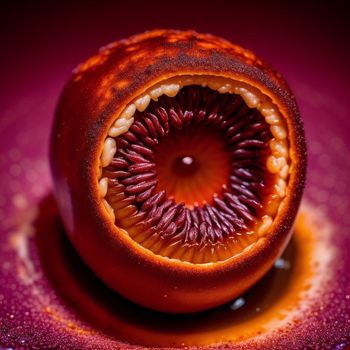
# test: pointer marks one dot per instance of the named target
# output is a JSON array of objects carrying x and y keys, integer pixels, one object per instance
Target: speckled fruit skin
[{"x": 98, "y": 91}]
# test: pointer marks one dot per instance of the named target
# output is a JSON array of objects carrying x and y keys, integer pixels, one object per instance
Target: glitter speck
[
  {"x": 237, "y": 304},
  {"x": 282, "y": 264},
  {"x": 19, "y": 201}
]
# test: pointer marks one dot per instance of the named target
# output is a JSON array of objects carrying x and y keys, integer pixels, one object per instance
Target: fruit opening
[
  {"x": 192, "y": 165},
  {"x": 196, "y": 171}
]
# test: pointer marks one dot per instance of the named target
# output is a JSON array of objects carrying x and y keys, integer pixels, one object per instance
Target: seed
[
  {"x": 133, "y": 189},
  {"x": 140, "y": 168},
  {"x": 171, "y": 90},
  {"x": 122, "y": 122},
  {"x": 279, "y": 147},
  {"x": 281, "y": 162},
  {"x": 265, "y": 225},
  {"x": 109, "y": 209},
  {"x": 279, "y": 132},
  {"x": 109, "y": 149},
  {"x": 145, "y": 195},
  {"x": 151, "y": 128},
  {"x": 138, "y": 178},
  {"x": 139, "y": 129},
  {"x": 142, "y": 150},
  {"x": 128, "y": 112},
  {"x": 250, "y": 99},
  {"x": 284, "y": 171},
  {"x": 103, "y": 186},
  {"x": 116, "y": 131},
  {"x": 153, "y": 201},
  {"x": 156, "y": 92},
  {"x": 273, "y": 119},
  {"x": 225, "y": 88},
  {"x": 142, "y": 102},
  {"x": 272, "y": 204},
  {"x": 281, "y": 187},
  {"x": 267, "y": 108},
  {"x": 272, "y": 165}
]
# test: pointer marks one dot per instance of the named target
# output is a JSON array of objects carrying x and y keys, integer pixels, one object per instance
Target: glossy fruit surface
[{"x": 99, "y": 92}]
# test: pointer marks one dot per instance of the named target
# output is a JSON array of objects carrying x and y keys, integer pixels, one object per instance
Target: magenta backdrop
[{"x": 41, "y": 44}]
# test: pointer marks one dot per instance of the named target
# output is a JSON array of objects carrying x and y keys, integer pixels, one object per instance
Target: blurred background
[{"x": 41, "y": 42}]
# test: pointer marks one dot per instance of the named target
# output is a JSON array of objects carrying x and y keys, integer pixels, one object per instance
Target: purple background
[{"x": 41, "y": 44}]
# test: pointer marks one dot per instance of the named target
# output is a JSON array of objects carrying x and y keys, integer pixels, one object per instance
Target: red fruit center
[{"x": 192, "y": 165}]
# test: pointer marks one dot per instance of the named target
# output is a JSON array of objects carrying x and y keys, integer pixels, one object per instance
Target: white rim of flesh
[{"x": 277, "y": 163}]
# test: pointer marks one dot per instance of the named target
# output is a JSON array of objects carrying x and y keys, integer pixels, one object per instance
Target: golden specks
[
  {"x": 132, "y": 48},
  {"x": 91, "y": 62},
  {"x": 123, "y": 65},
  {"x": 68, "y": 324},
  {"x": 207, "y": 45},
  {"x": 138, "y": 56},
  {"x": 121, "y": 84},
  {"x": 175, "y": 38}
]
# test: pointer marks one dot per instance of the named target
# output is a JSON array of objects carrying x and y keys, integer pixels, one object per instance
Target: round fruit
[{"x": 179, "y": 163}]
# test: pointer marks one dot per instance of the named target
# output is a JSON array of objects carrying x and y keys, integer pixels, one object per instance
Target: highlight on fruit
[{"x": 179, "y": 163}]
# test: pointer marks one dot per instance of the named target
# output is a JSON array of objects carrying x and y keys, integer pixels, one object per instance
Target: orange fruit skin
[{"x": 98, "y": 90}]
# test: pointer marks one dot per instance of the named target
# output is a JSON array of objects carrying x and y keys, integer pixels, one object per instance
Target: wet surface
[{"x": 48, "y": 297}]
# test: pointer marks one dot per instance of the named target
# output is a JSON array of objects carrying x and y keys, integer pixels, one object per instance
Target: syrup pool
[{"x": 49, "y": 296}]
